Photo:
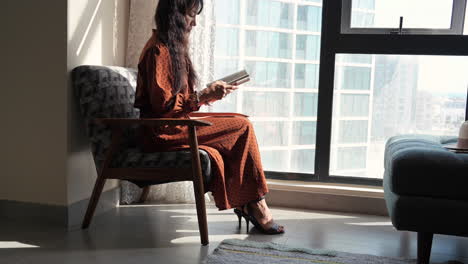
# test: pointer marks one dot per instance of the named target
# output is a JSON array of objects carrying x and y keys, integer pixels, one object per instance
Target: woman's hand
[{"x": 216, "y": 91}]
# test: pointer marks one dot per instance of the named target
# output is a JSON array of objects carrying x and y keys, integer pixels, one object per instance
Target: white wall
[
  {"x": 33, "y": 101},
  {"x": 44, "y": 153},
  {"x": 97, "y": 33}
]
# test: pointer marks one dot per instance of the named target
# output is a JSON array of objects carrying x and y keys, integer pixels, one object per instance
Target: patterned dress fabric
[
  {"x": 109, "y": 92},
  {"x": 236, "y": 169}
]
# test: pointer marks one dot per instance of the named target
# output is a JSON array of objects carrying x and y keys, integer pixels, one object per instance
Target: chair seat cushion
[
  {"x": 419, "y": 165},
  {"x": 135, "y": 158}
]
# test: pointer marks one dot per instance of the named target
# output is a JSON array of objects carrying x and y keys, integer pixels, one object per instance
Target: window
[
  {"x": 364, "y": 98},
  {"x": 418, "y": 16},
  {"x": 404, "y": 94},
  {"x": 280, "y": 49}
]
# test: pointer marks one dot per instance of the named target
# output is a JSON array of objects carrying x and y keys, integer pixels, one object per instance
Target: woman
[{"x": 165, "y": 88}]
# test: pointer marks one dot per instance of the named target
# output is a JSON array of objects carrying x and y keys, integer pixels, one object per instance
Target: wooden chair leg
[
  {"x": 424, "y": 247},
  {"x": 98, "y": 186},
  {"x": 198, "y": 187},
  {"x": 144, "y": 194}
]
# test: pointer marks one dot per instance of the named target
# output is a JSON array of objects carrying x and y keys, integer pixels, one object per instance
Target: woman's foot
[{"x": 262, "y": 214}]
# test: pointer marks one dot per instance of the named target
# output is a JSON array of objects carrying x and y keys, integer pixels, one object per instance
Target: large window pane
[
  {"x": 227, "y": 11},
  {"x": 354, "y": 105},
  {"x": 271, "y": 133},
  {"x": 306, "y": 76},
  {"x": 268, "y": 44},
  {"x": 305, "y": 104},
  {"x": 355, "y": 77},
  {"x": 304, "y": 132},
  {"x": 278, "y": 43},
  {"x": 227, "y": 43},
  {"x": 435, "y": 14},
  {"x": 269, "y": 74},
  {"x": 274, "y": 160},
  {"x": 309, "y": 18},
  {"x": 308, "y": 47},
  {"x": 303, "y": 160},
  {"x": 404, "y": 95},
  {"x": 266, "y": 104},
  {"x": 353, "y": 131},
  {"x": 270, "y": 13}
]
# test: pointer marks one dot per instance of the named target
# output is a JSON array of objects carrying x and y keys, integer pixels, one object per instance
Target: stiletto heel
[{"x": 239, "y": 216}]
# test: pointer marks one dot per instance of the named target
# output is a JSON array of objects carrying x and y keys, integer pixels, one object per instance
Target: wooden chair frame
[{"x": 154, "y": 174}]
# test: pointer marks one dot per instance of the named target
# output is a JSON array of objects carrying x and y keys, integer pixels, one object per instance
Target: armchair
[{"x": 106, "y": 96}]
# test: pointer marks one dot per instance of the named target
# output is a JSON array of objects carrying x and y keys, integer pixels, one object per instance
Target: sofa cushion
[{"x": 419, "y": 165}]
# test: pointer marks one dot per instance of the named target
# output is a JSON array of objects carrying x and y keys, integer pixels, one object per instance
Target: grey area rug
[{"x": 247, "y": 252}]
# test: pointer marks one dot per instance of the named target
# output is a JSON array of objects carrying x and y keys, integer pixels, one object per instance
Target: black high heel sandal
[
  {"x": 240, "y": 214},
  {"x": 273, "y": 230}
]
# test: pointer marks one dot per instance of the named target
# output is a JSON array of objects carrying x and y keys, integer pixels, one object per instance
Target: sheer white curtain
[{"x": 202, "y": 44}]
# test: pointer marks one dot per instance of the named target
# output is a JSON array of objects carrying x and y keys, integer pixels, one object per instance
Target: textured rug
[{"x": 247, "y": 252}]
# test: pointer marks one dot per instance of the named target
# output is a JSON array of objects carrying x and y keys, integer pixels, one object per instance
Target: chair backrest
[{"x": 105, "y": 92}]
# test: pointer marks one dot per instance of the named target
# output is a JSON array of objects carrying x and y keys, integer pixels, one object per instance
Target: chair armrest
[
  {"x": 205, "y": 114},
  {"x": 150, "y": 122}
]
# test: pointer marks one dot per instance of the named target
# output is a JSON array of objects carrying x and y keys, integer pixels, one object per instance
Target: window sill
[{"x": 327, "y": 197}]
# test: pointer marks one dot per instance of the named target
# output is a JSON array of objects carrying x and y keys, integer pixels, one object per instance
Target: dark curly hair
[{"x": 171, "y": 27}]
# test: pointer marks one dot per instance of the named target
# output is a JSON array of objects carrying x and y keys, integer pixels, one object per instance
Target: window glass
[
  {"x": 309, "y": 18},
  {"x": 435, "y": 14},
  {"x": 227, "y": 11},
  {"x": 278, "y": 43},
  {"x": 304, "y": 133},
  {"x": 227, "y": 43},
  {"x": 268, "y": 13},
  {"x": 266, "y": 104},
  {"x": 308, "y": 47},
  {"x": 305, "y": 104},
  {"x": 269, "y": 74},
  {"x": 268, "y": 44},
  {"x": 306, "y": 76},
  {"x": 400, "y": 94}
]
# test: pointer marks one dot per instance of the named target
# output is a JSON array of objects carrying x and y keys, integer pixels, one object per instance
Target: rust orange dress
[{"x": 237, "y": 173}]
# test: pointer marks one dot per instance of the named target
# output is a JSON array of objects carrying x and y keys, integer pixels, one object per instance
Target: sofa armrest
[{"x": 427, "y": 170}]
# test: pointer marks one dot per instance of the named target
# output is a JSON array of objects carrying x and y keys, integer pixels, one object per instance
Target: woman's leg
[{"x": 243, "y": 181}]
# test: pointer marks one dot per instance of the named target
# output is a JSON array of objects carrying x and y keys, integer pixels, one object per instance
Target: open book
[{"x": 236, "y": 78}]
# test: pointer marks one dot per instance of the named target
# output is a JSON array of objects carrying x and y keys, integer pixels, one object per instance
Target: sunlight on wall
[{"x": 90, "y": 23}]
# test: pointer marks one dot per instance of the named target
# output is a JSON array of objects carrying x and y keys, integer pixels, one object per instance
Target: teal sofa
[{"x": 426, "y": 188}]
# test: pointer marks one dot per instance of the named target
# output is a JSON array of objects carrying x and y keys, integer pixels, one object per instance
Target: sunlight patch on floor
[
  {"x": 187, "y": 231},
  {"x": 372, "y": 224},
  {"x": 13, "y": 244},
  {"x": 277, "y": 214},
  {"x": 213, "y": 238}
]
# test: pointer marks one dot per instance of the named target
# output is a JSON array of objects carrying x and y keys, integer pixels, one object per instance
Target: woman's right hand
[{"x": 216, "y": 91}]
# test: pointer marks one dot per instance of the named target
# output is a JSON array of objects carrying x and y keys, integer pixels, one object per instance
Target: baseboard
[
  {"x": 60, "y": 216},
  {"x": 327, "y": 202}
]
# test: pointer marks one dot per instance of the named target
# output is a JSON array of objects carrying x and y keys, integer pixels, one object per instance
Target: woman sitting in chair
[{"x": 165, "y": 89}]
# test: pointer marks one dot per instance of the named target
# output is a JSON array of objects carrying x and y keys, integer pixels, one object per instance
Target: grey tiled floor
[{"x": 169, "y": 234}]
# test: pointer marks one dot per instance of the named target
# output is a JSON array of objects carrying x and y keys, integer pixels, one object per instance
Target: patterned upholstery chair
[
  {"x": 105, "y": 96},
  {"x": 425, "y": 188}
]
